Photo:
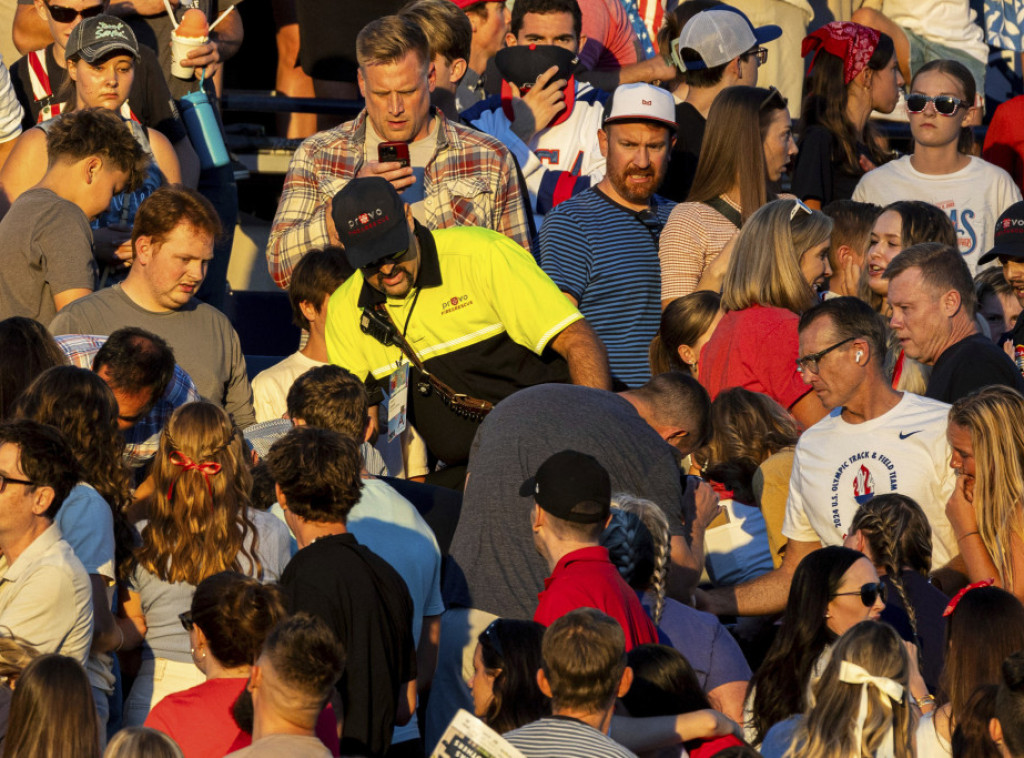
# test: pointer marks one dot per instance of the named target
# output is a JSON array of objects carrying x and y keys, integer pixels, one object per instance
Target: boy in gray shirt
[{"x": 45, "y": 239}]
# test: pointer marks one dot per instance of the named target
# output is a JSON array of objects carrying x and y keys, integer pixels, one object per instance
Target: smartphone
[{"x": 389, "y": 152}]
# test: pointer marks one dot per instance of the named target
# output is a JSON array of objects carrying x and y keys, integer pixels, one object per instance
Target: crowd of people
[{"x": 648, "y": 401}]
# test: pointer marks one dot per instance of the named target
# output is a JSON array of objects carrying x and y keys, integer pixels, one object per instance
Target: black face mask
[{"x": 242, "y": 711}]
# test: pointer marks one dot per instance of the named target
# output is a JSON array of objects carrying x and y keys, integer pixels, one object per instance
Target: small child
[{"x": 942, "y": 170}]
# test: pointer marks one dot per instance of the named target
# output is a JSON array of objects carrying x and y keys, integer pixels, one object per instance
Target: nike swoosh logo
[{"x": 904, "y": 435}]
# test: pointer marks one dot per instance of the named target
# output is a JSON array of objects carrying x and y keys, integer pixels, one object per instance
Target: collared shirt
[
  {"x": 586, "y": 578},
  {"x": 480, "y": 318},
  {"x": 471, "y": 181},
  {"x": 142, "y": 439},
  {"x": 46, "y": 597}
]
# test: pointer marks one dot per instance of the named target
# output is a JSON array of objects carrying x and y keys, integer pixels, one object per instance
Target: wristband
[{"x": 964, "y": 536}]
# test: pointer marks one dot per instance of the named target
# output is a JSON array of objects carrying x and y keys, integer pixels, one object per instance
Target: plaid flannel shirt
[
  {"x": 472, "y": 180},
  {"x": 143, "y": 438}
]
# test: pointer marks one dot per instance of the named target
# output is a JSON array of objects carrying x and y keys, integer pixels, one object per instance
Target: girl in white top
[{"x": 941, "y": 169}]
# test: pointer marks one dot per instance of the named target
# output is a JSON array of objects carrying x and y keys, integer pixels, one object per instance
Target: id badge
[{"x": 398, "y": 397}]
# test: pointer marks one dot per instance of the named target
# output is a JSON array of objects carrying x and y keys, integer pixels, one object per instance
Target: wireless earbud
[{"x": 860, "y": 354}]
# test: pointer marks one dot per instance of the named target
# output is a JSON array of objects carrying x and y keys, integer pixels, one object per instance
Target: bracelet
[
  {"x": 964, "y": 536},
  {"x": 120, "y": 631},
  {"x": 925, "y": 700}
]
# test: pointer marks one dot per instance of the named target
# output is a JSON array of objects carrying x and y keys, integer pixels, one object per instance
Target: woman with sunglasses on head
[
  {"x": 984, "y": 626},
  {"x": 943, "y": 169},
  {"x": 198, "y": 522},
  {"x": 504, "y": 684},
  {"x": 853, "y": 71},
  {"x": 833, "y": 589},
  {"x": 102, "y": 55},
  {"x": 228, "y": 621},
  {"x": 779, "y": 261},
  {"x": 748, "y": 146}
]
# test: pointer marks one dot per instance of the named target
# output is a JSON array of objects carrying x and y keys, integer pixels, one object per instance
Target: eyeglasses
[
  {"x": 810, "y": 362},
  {"x": 5, "y": 480},
  {"x": 761, "y": 54},
  {"x": 187, "y": 620},
  {"x": 651, "y": 222},
  {"x": 394, "y": 259},
  {"x": 799, "y": 205},
  {"x": 64, "y": 15},
  {"x": 774, "y": 97},
  {"x": 947, "y": 105},
  {"x": 491, "y": 635},
  {"x": 869, "y": 593}
]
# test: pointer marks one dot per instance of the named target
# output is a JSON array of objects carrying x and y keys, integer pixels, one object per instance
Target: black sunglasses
[
  {"x": 868, "y": 593},
  {"x": 399, "y": 257},
  {"x": 187, "y": 620},
  {"x": 947, "y": 105},
  {"x": 64, "y": 15},
  {"x": 491, "y": 636}
]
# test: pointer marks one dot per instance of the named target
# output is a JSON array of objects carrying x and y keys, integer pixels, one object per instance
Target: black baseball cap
[
  {"x": 571, "y": 486},
  {"x": 370, "y": 219},
  {"x": 1008, "y": 235},
  {"x": 97, "y": 37}
]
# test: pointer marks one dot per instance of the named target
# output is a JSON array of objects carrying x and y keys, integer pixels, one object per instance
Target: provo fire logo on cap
[{"x": 366, "y": 221}]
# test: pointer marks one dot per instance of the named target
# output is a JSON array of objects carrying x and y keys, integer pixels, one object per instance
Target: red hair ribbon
[
  {"x": 955, "y": 600},
  {"x": 854, "y": 43},
  {"x": 182, "y": 460}
]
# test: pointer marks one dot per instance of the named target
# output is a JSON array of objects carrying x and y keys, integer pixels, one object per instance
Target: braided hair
[
  {"x": 637, "y": 540},
  {"x": 899, "y": 536}
]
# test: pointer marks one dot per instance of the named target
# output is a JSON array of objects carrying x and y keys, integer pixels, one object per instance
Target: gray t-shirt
[
  {"x": 293, "y": 745},
  {"x": 47, "y": 249},
  {"x": 204, "y": 343},
  {"x": 163, "y": 601},
  {"x": 495, "y": 566}
]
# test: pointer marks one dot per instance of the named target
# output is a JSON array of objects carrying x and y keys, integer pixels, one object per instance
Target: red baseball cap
[{"x": 464, "y": 4}]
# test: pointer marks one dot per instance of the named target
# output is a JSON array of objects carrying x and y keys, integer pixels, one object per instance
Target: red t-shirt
[
  {"x": 199, "y": 720},
  {"x": 755, "y": 348},
  {"x": 586, "y": 578}
]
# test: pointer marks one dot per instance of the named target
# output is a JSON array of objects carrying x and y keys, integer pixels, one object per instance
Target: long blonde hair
[
  {"x": 994, "y": 416},
  {"x": 765, "y": 264},
  {"x": 198, "y": 515},
  {"x": 829, "y": 730}
]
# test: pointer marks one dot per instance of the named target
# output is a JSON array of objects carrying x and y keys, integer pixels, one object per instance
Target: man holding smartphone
[{"x": 455, "y": 176}]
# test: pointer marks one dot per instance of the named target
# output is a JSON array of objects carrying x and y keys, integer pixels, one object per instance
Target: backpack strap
[{"x": 731, "y": 214}]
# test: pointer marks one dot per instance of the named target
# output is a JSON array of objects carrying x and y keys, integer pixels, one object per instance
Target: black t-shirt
[
  {"x": 367, "y": 605},
  {"x": 682, "y": 166},
  {"x": 816, "y": 173},
  {"x": 149, "y": 98},
  {"x": 968, "y": 365}
]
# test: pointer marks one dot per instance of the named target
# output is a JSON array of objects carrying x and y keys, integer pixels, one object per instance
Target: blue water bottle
[{"x": 204, "y": 130}]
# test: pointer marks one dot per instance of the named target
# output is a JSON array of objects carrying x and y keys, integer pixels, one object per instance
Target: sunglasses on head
[
  {"x": 869, "y": 593},
  {"x": 399, "y": 257},
  {"x": 64, "y": 15},
  {"x": 491, "y": 636},
  {"x": 946, "y": 105}
]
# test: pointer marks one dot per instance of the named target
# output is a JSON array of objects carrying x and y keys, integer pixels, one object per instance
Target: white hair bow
[{"x": 851, "y": 673}]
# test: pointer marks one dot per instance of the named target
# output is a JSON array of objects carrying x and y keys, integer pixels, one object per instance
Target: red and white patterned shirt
[{"x": 471, "y": 181}]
